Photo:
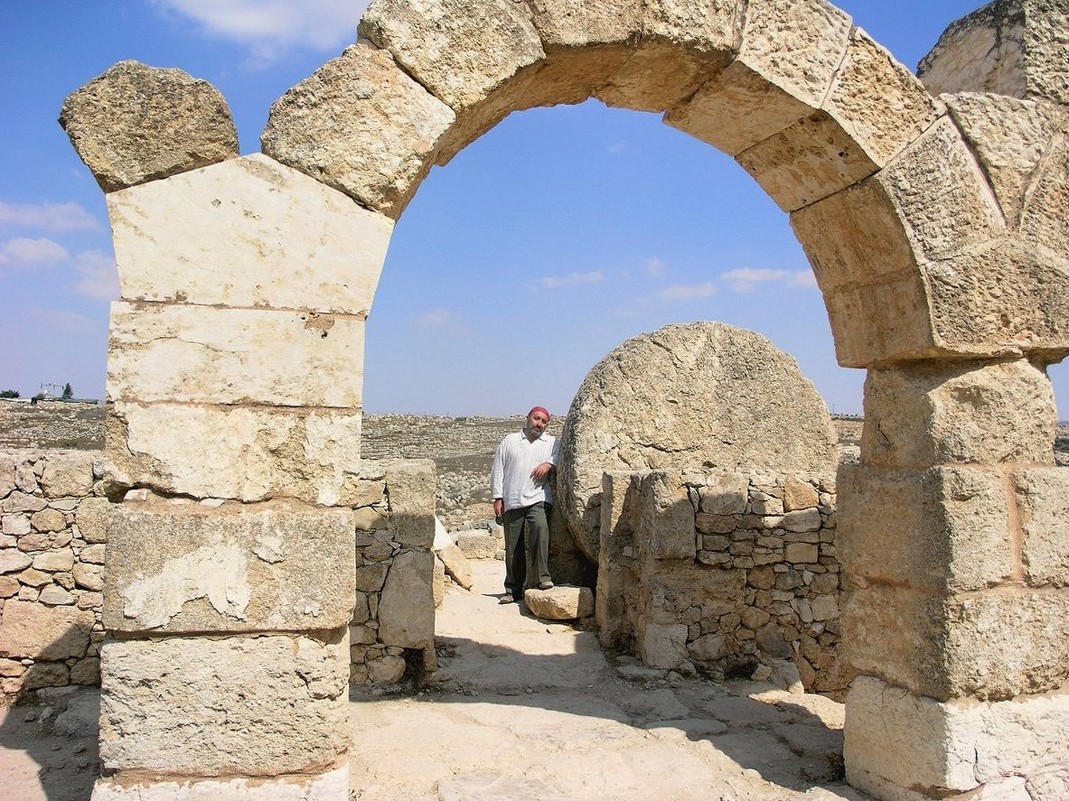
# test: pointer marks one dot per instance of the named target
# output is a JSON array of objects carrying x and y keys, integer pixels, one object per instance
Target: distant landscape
[{"x": 461, "y": 447}]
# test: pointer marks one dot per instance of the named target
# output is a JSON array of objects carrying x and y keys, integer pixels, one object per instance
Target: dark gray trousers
[{"x": 526, "y": 547}]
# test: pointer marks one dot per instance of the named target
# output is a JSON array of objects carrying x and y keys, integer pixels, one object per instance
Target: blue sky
[{"x": 517, "y": 267}]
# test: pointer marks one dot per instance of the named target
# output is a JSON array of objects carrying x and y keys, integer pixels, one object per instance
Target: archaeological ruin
[{"x": 183, "y": 564}]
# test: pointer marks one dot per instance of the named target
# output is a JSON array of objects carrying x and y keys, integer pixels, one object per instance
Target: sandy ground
[{"x": 520, "y": 709}]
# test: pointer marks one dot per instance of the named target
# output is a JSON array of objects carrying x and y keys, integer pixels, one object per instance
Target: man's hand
[
  {"x": 499, "y": 508},
  {"x": 542, "y": 472}
]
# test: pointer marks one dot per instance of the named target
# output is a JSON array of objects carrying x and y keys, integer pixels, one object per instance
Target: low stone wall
[
  {"x": 722, "y": 573},
  {"x": 52, "y": 539},
  {"x": 54, "y": 522}
]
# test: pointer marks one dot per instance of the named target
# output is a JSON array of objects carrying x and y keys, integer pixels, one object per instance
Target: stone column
[
  {"x": 954, "y": 541},
  {"x": 235, "y": 377}
]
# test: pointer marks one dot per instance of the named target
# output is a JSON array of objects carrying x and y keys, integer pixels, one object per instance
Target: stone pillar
[
  {"x": 235, "y": 377},
  {"x": 954, "y": 541}
]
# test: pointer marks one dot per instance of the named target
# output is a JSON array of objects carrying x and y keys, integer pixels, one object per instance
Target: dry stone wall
[
  {"x": 725, "y": 573},
  {"x": 52, "y": 544}
]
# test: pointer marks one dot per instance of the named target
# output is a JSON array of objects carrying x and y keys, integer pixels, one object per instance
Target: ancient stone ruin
[{"x": 935, "y": 225}]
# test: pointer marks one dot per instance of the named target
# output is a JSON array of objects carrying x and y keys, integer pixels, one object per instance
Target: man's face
[{"x": 537, "y": 422}]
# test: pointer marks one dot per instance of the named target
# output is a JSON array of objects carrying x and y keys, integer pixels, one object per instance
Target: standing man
[{"x": 523, "y": 495}]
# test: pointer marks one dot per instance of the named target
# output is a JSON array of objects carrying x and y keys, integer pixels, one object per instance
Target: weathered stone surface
[
  {"x": 456, "y": 565},
  {"x": 40, "y": 632},
  {"x": 945, "y": 529},
  {"x": 361, "y": 125},
  {"x": 68, "y": 473},
  {"x": 478, "y": 544},
  {"x": 202, "y": 354},
  {"x": 732, "y": 400},
  {"x": 657, "y": 76},
  {"x": 438, "y": 585},
  {"x": 560, "y": 603},
  {"x": 406, "y": 609},
  {"x": 137, "y": 123},
  {"x": 799, "y": 495},
  {"x": 931, "y": 413},
  {"x": 992, "y": 644},
  {"x": 458, "y": 49},
  {"x": 954, "y": 746},
  {"x": 242, "y": 453},
  {"x": 92, "y": 519},
  {"x": 330, "y": 786},
  {"x": 713, "y": 26},
  {"x": 667, "y": 530},
  {"x": 48, "y": 520},
  {"x": 232, "y": 568},
  {"x": 54, "y": 561},
  {"x": 248, "y": 233},
  {"x": 1009, "y": 47},
  {"x": 578, "y": 23},
  {"x": 234, "y": 702},
  {"x": 1009, "y": 137},
  {"x": 14, "y": 561},
  {"x": 663, "y": 645},
  {"x": 1043, "y": 504},
  {"x": 411, "y": 484}
]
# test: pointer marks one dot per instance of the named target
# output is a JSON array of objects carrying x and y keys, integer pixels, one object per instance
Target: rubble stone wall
[
  {"x": 52, "y": 541},
  {"x": 722, "y": 572},
  {"x": 54, "y": 522}
]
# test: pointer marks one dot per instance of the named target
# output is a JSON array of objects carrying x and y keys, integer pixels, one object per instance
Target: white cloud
[
  {"x": 555, "y": 282},
  {"x": 23, "y": 252},
  {"x": 654, "y": 266},
  {"x": 48, "y": 216},
  {"x": 746, "y": 279},
  {"x": 271, "y": 27},
  {"x": 436, "y": 318},
  {"x": 687, "y": 291},
  {"x": 98, "y": 277}
]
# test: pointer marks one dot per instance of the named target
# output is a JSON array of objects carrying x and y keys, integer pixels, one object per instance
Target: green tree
[
  {"x": 9, "y": 393},
  {"x": 68, "y": 393}
]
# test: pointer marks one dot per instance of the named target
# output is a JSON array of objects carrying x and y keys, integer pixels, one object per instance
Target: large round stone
[{"x": 688, "y": 396}]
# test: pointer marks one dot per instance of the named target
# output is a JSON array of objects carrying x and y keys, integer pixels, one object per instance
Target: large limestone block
[
  {"x": 984, "y": 412},
  {"x": 993, "y": 644},
  {"x": 667, "y": 530},
  {"x": 244, "y": 453},
  {"x": 91, "y": 517},
  {"x": 1009, "y": 47},
  {"x": 1010, "y": 138},
  {"x": 137, "y": 123},
  {"x": 332, "y": 785},
  {"x": 261, "y": 706},
  {"x": 663, "y": 645},
  {"x": 945, "y": 529},
  {"x": 192, "y": 568},
  {"x": 952, "y": 747},
  {"x": 685, "y": 396},
  {"x": 410, "y": 485},
  {"x": 580, "y": 23},
  {"x": 35, "y": 631},
  {"x": 249, "y": 232},
  {"x": 657, "y": 76},
  {"x": 1046, "y": 207},
  {"x": 789, "y": 53},
  {"x": 202, "y": 354},
  {"x": 459, "y": 49},
  {"x": 1043, "y": 503},
  {"x": 68, "y": 473},
  {"x": 711, "y": 26},
  {"x": 560, "y": 603},
  {"x": 406, "y": 607},
  {"x": 360, "y": 124}
]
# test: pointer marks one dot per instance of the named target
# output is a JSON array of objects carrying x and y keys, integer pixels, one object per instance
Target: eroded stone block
[
  {"x": 202, "y": 354},
  {"x": 984, "y": 412},
  {"x": 68, "y": 473},
  {"x": 255, "y": 706},
  {"x": 410, "y": 486},
  {"x": 191, "y": 568},
  {"x": 362, "y": 125},
  {"x": 1043, "y": 501},
  {"x": 137, "y": 123},
  {"x": 579, "y": 23},
  {"x": 668, "y": 527},
  {"x": 941, "y": 529},
  {"x": 248, "y": 233},
  {"x": 712, "y": 26},
  {"x": 406, "y": 608},
  {"x": 241, "y": 453},
  {"x": 36, "y": 631}
]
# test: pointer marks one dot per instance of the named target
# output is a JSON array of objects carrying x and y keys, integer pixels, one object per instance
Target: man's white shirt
[{"x": 514, "y": 459}]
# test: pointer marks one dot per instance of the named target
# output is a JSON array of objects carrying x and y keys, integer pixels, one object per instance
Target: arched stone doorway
[{"x": 941, "y": 254}]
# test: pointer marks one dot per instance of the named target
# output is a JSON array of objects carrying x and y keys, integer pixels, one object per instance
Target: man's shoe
[
  {"x": 545, "y": 585},
  {"x": 506, "y": 599}
]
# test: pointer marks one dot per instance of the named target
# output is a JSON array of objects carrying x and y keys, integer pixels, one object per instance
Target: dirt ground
[{"x": 519, "y": 709}]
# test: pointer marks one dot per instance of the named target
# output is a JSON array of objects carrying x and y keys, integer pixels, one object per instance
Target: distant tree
[
  {"x": 9, "y": 393},
  {"x": 68, "y": 393}
]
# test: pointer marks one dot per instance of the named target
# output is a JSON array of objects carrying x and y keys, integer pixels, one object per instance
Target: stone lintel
[{"x": 180, "y": 567}]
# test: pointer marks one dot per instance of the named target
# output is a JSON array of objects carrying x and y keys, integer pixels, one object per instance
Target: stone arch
[{"x": 936, "y": 236}]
